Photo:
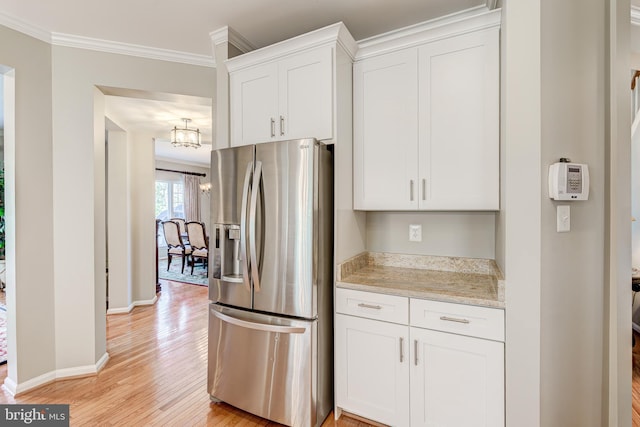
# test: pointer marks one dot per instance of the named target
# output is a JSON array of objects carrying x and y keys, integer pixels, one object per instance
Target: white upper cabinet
[
  {"x": 306, "y": 95},
  {"x": 254, "y": 105},
  {"x": 459, "y": 122},
  {"x": 426, "y": 119},
  {"x": 386, "y": 131},
  {"x": 287, "y": 91}
]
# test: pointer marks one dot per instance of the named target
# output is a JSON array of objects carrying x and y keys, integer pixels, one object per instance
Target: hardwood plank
[{"x": 156, "y": 373}]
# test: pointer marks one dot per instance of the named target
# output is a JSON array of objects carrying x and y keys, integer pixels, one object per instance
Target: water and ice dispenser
[{"x": 227, "y": 257}]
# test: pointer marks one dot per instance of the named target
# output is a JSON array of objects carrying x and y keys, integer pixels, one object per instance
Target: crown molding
[
  {"x": 336, "y": 33},
  {"x": 68, "y": 40},
  {"x": 635, "y": 15},
  {"x": 473, "y": 19},
  {"x": 229, "y": 35},
  {"x": 17, "y": 24}
]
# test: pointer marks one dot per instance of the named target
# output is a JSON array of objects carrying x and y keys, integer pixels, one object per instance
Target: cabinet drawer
[
  {"x": 481, "y": 322},
  {"x": 388, "y": 308}
]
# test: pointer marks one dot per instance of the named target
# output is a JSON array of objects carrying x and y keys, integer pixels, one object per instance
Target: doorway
[{"x": 138, "y": 130}]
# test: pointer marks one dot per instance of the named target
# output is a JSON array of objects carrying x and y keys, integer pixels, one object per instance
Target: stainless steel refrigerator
[{"x": 270, "y": 286}]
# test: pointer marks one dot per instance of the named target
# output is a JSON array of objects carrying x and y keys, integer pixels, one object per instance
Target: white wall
[
  {"x": 29, "y": 198},
  {"x": 461, "y": 234}
]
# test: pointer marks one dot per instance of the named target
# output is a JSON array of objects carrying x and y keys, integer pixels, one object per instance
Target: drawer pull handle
[
  {"x": 375, "y": 307},
  {"x": 401, "y": 350},
  {"x": 415, "y": 352},
  {"x": 454, "y": 319}
]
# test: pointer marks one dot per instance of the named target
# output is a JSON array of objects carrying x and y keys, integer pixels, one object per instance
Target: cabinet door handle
[
  {"x": 281, "y": 125},
  {"x": 415, "y": 352},
  {"x": 454, "y": 319},
  {"x": 375, "y": 307},
  {"x": 424, "y": 189},
  {"x": 401, "y": 350},
  {"x": 411, "y": 190},
  {"x": 273, "y": 127}
]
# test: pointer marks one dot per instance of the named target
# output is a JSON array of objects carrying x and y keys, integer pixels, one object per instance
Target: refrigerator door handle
[
  {"x": 253, "y": 253},
  {"x": 259, "y": 326},
  {"x": 243, "y": 225}
]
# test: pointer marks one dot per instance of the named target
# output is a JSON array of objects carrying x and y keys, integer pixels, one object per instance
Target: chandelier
[{"x": 185, "y": 137}]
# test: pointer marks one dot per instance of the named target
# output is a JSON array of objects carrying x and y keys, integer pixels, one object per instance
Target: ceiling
[
  {"x": 185, "y": 27},
  {"x": 157, "y": 118}
]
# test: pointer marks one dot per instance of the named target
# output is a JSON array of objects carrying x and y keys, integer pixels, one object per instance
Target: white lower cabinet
[
  {"x": 456, "y": 380},
  {"x": 373, "y": 369},
  {"x": 402, "y": 375}
]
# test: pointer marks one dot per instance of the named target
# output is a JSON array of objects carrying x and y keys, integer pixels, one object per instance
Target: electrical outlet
[{"x": 415, "y": 233}]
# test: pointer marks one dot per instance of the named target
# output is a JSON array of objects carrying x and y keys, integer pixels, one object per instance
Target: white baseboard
[
  {"x": 128, "y": 309},
  {"x": 80, "y": 371}
]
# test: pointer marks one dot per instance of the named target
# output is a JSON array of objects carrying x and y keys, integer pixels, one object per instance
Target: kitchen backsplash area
[{"x": 456, "y": 234}]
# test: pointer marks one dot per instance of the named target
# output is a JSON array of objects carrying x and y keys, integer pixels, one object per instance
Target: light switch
[
  {"x": 563, "y": 219},
  {"x": 415, "y": 233}
]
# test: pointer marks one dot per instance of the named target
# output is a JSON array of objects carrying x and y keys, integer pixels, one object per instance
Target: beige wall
[
  {"x": 463, "y": 234},
  {"x": 76, "y": 72},
  {"x": 119, "y": 221},
  {"x": 572, "y": 294},
  {"x": 567, "y": 343},
  {"x": 29, "y": 199},
  {"x": 518, "y": 225},
  {"x": 143, "y": 269},
  {"x": 60, "y": 312}
]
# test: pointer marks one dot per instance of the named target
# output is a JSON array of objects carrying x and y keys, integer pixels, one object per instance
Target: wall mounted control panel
[{"x": 569, "y": 181}]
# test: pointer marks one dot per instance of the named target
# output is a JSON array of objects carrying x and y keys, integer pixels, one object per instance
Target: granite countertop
[{"x": 453, "y": 279}]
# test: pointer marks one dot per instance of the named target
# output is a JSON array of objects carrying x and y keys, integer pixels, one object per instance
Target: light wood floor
[
  {"x": 635, "y": 386},
  {"x": 156, "y": 374}
]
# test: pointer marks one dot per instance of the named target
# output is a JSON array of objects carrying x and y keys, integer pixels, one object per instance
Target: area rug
[
  {"x": 3, "y": 334},
  {"x": 199, "y": 276}
]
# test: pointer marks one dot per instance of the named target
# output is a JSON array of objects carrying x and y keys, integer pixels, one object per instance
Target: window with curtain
[
  {"x": 191, "y": 197},
  {"x": 169, "y": 200}
]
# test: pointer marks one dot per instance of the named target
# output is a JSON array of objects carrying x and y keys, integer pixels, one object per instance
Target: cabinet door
[
  {"x": 254, "y": 104},
  {"x": 459, "y": 122},
  {"x": 306, "y": 95},
  {"x": 456, "y": 380},
  {"x": 372, "y": 369},
  {"x": 386, "y": 132}
]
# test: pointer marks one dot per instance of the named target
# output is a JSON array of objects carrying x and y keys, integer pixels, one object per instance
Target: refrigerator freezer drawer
[{"x": 263, "y": 365}]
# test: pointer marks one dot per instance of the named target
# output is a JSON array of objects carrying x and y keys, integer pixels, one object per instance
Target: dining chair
[
  {"x": 198, "y": 241},
  {"x": 175, "y": 244},
  {"x": 183, "y": 230}
]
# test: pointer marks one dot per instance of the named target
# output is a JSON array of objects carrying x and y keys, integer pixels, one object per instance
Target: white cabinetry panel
[
  {"x": 441, "y": 150},
  {"x": 286, "y": 99},
  {"x": 253, "y": 104},
  {"x": 456, "y": 380},
  {"x": 306, "y": 95},
  {"x": 388, "y": 308},
  {"x": 459, "y": 122},
  {"x": 372, "y": 369},
  {"x": 386, "y": 131}
]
